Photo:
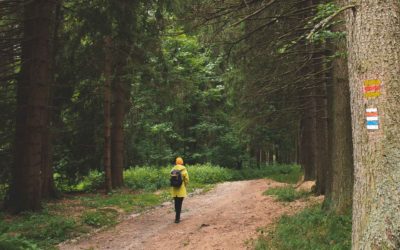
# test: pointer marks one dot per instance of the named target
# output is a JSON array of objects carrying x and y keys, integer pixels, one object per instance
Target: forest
[{"x": 99, "y": 97}]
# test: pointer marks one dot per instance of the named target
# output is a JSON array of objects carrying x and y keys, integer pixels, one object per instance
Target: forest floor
[{"x": 230, "y": 216}]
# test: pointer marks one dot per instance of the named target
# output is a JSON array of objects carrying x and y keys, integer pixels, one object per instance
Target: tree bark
[
  {"x": 32, "y": 107},
  {"x": 107, "y": 114},
  {"x": 374, "y": 53},
  {"x": 321, "y": 123},
  {"x": 307, "y": 140},
  {"x": 339, "y": 197},
  {"x": 307, "y": 154},
  {"x": 117, "y": 137},
  {"x": 47, "y": 178}
]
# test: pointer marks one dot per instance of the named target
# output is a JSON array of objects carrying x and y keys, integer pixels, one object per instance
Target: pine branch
[{"x": 324, "y": 22}]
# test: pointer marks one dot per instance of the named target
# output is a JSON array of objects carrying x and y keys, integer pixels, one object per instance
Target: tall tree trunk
[
  {"x": 32, "y": 107},
  {"x": 48, "y": 185},
  {"x": 117, "y": 137},
  {"x": 374, "y": 53},
  {"x": 307, "y": 138},
  {"x": 340, "y": 195},
  {"x": 321, "y": 123},
  {"x": 107, "y": 114}
]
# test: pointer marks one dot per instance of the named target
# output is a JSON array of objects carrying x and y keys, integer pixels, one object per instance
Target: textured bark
[
  {"x": 32, "y": 107},
  {"x": 307, "y": 143},
  {"x": 107, "y": 114},
  {"x": 47, "y": 177},
  {"x": 117, "y": 136},
  {"x": 374, "y": 53},
  {"x": 321, "y": 123},
  {"x": 340, "y": 193}
]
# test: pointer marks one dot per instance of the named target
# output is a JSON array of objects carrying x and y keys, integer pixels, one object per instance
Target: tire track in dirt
[{"x": 224, "y": 218}]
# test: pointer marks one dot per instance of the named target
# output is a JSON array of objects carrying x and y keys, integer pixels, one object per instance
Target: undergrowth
[
  {"x": 313, "y": 228},
  {"x": 36, "y": 230},
  {"x": 287, "y": 193},
  {"x": 151, "y": 178}
]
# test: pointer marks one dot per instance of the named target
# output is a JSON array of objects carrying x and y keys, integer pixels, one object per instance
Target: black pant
[{"x": 178, "y": 207}]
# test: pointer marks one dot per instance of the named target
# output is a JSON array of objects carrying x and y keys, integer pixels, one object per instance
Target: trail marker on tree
[
  {"x": 372, "y": 118},
  {"x": 372, "y": 88}
]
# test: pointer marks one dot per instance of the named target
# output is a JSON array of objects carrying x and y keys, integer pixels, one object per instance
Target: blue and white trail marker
[{"x": 372, "y": 118}]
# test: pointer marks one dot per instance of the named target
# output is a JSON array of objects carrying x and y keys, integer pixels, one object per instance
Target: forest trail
[{"x": 224, "y": 218}]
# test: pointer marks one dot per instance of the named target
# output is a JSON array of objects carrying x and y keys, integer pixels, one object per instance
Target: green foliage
[
  {"x": 100, "y": 217},
  {"x": 8, "y": 242},
  {"x": 126, "y": 201},
  {"x": 93, "y": 181},
  {"x": 209, "y": 174},
  {"x": 287, "y": 193},
  {"x": 281, "y": 173},
  {"x": 147, "y": 178},
  {"x": 324, "y": 11},
  {"x": 42, "y": 229},
  {"x": 153, "y": 178},
  {"x": 313, "y": 228}
]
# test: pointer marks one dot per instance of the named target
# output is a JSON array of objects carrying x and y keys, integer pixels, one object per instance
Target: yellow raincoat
[{"x": 180, "y": 191}]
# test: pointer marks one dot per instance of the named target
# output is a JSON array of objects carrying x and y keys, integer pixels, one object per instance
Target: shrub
[
  {"x": 209, "y": 174},
  {"x": 91, "y": 182},
  {"x": 146, "y": 178}
]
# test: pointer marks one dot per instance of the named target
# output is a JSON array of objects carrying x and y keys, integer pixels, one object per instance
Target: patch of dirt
[{"x": 225, "y": 218}]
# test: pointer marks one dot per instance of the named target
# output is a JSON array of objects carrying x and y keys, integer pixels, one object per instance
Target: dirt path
[{"x": 224, "y": 218}]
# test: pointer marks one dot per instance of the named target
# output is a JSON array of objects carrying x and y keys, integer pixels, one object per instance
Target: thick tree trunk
[
  {"x": 117, "y": 137},
  {"x": 340, "y": 195},
  {"x": 107, "y": 114},
  {"x": 47, "y": 180},
  {"x": 32, "y": 111},
  {"x": 374, "y": 54}
]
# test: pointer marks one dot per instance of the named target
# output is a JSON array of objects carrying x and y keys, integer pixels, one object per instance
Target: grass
[
  {"x": 128, "y": 202},
  {"x": 287, "y": 193},
  {"x": 80, "y": 213},
  {"x": 281, "y": 173},
  {"x": 71, "y": 217},
  {"x": 312, "y": 228},
  {"x": 100, "y": 218},
  {"x": 37, "y": 230}
]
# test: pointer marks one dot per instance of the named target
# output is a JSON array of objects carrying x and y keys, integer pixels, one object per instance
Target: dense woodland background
[{"x": 109, "y": 85}]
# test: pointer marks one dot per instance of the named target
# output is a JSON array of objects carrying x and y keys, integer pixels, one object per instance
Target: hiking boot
[{"x": 176, "y": 221}]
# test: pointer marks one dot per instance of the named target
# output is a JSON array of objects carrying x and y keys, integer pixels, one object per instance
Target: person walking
[{"x": 179, "y": 181}]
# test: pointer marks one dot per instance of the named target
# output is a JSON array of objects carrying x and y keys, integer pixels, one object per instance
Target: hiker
[{"x": 179, "y": 181}]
